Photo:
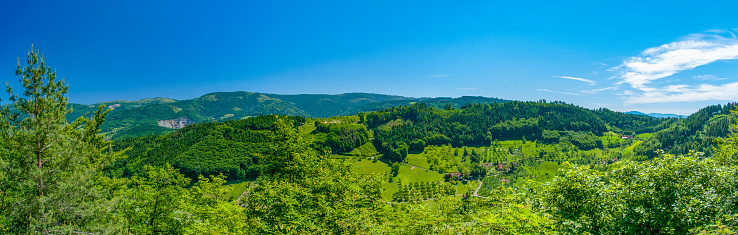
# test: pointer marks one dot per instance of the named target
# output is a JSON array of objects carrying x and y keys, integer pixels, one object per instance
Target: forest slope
[{"x": 142, "y": 117}]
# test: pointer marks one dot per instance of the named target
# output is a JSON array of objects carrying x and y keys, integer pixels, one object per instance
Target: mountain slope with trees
[
  {"x": 139, "y": 118},
  {"x": 480, "y": 124},
  {"x": 696, "y": 132}
]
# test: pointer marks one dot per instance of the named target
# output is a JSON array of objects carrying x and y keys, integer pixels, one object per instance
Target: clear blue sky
[{"x": 670, "y": 56}]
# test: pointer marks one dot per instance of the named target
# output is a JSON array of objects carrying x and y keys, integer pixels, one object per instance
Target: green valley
[{"x": 252, "y": 163}]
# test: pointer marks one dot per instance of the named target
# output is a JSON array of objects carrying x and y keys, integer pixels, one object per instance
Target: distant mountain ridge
[
  {"x": 157, "y": 115},
  {"x": 658, "y": 115},
  {"x": 164, "y": 115}
]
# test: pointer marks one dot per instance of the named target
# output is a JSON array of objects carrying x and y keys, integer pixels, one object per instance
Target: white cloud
[
  {"x": 708, "y": 77},
  {"x": 437, "y": 76},
  {"x": 566, "y": 93},
  {"x": 595, "y": 91},
  {"x": 666, "y": 60},
  {"x": 578, "y": 79},
  {"x": 468, "y": 88},
  {"x": 684, "y": 93}
]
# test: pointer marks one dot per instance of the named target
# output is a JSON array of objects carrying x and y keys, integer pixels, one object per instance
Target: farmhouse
[
  {"x": 626, "y": 137},
  {"x": 500, "y": 167}
]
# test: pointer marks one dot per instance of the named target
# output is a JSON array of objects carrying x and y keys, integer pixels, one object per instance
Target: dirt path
[{"x": 476, "y": 191}]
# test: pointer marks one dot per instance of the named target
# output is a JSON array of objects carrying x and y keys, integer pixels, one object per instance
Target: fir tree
[{"x": 52, "y": 170}]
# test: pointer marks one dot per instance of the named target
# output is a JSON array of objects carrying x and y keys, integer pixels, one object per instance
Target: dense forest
[
  {"x": 492, "y": 167},
  {"x": 480, "y": 124},
  {"x": 230, "y": 148}
]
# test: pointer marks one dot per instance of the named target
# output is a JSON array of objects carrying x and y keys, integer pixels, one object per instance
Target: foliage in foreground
[
  {"x": 54, "y": 180},
  {"x": 667, "y": 195}
]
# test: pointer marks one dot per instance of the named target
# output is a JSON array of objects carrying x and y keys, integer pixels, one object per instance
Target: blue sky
[{"x": 669, "y": 57}]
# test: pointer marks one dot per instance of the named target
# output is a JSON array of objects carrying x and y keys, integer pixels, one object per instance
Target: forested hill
[
  {"x": 232, "y": 146},
  {"x": 397, "y": 129},
  {"x": 696, "y": 132},
  {"x": 115, "y": 106},
  {"x": 438, "y": 102},
  {"x": 143, "y": 117}
]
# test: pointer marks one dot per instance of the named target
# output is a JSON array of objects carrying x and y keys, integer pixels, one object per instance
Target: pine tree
[{"x": 54, "y": 169}]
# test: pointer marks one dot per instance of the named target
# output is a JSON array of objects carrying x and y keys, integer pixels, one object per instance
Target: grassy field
[
  {"x": 307, "y": 128},
  {"x": 527, "y": 147},
  {"x": 629, "y": 149},
  {"x": 366, "y": 166},
  {"x": 597, "y": 152},
  {"x": 613, "y": 140},
  {"x": 544, "y": 172},
  {"x": 644, "y": 136},
  {"x": 540, "y": 162},
  {"x": 237, "y": 187},
  {"x": 461, "y": 187},
  {"x": 472, "y": 185},
  {"x": 416, "y": 175},
  {"x": 406, "y": 175},
  {"x": 418, "y": 160},
  {"x": 466, "y": 186}
]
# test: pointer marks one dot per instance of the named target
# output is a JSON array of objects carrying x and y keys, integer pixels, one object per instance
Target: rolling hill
[{"x": 163, "y": 115}]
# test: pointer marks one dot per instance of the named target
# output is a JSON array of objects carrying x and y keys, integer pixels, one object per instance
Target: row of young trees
[{"x": 419, "y": 191}]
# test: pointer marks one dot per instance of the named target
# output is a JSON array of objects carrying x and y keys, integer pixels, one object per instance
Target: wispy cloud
[
  {"x": 708, "y": 77},
  {"x": 684, "y": 93},
  {"x": 666, "y": 60},
  {"x": 437, "y": 76},
  {"x": 595, "y": 91},
  {"x": 468, "y": 88},
  {"x": 566, "y": 93},
  {"x": 578, "y": 79}
]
